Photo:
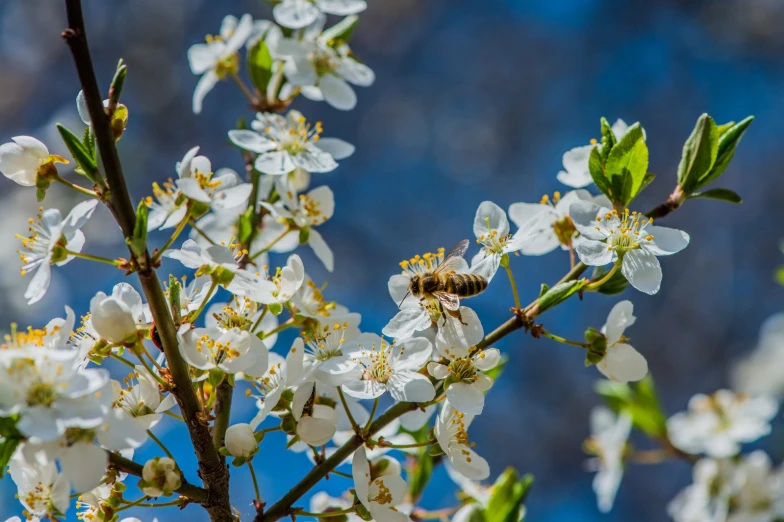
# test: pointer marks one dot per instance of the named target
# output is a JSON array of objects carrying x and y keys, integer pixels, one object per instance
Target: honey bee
[{"x": 445, "y": 285}]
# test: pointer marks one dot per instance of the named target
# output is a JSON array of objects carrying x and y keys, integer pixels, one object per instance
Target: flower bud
[
  {"x": 240, "y": 440},
  {"x": 160, "y": 477},
  {"x": 112, "y": 318}
]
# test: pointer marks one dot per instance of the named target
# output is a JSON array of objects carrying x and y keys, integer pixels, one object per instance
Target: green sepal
[
  {"x": 559, "y": 293},
  {"x": 720, "y": 194},
  {"x": 699, "y": 153},
  {"x": 507, "y": 497},
  {"x": 275, "y": 308},
  {"x": 239, "y": 461},
  {"x": 361, "y": 511},
  {"x": 175, "y": 299},
  {"x": 304, "y": 236},
  {"x": 435, "y": 451},
  {"x": 615, "y": 285},
  {"x": 597, "y": 346},
  {"x": 543, "y": 289},
  {"x": 223, "y": 450},
  {"x": 293, "y": 441}
]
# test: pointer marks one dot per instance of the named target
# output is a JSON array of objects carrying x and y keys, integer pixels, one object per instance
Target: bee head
[{"x": 413, "y": 286}]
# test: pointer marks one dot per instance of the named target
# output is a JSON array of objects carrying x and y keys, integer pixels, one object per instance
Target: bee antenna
[{"x": 404, "y": 298}]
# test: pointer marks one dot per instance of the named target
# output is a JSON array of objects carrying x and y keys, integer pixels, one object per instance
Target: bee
[{"x": 445, "y": 285}]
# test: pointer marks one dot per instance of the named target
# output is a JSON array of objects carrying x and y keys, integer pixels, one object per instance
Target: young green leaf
[
  {"x": 629, "y": 155},
  {"x": 596, "y": 168},
  {"x": 79, "y": 151},
  {"x": 342, "y": 31},
  {"x": 726, "y": 150},
  {"x": 699, "y": 152},
  {"x": 559, "y": 294},
  {"x": 260, "y": 65},
  {"x": 507, "y": 497},
  {"x": 720, "y": 194}
]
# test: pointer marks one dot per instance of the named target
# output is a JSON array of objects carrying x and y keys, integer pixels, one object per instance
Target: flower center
[
  {"x": 564, "y": 230},
  {"x": 41, "y": 394},
  {"x": 327, "y": 344},
  {"x": 37, "y": 245},
  {"x": 463, "y": 369},
  {"x": 626, "y": 229},
  {"x": 297, "y": 137},
  {"x": 383, "y": 493},
  {"x": 423, "y": 264},
  {"x": 493, "y": 242},
  {"x": 378, "y": 366},
  {"x": 311, "y": 210},
  {"x": 220, "y": 351},
  {"x": 239, "y": 313},
  {"x": 313, "y": 300},
  {"x": 323, "y": 62}
]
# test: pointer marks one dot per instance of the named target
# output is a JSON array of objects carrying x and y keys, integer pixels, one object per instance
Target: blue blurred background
[{"x": 473, "y": 101}]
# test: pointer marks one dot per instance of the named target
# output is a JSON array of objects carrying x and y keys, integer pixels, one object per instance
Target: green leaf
[
  {"x": 639, "y": 400},
  {"x": 699, "y": 152},
  {"x": 622, "y": 187},
  {"x": 596, "y": 168},
  {"x": 80, "y": 153},
  {"x": 559, "y": 293},
  {"x": 720, "y": 194},
  {"x": 139, "y": 241},
  {"x": 608, "y": 139},
  {"x": 260, "y": 65},
  {"x": 341, "y": 32},
  {"x": 779, "y": 275},
  {"x": 726, "y": 150},
  {"x": 724, "y": 128},
  {"x": 543, "y": 289},
  {"x": 507, "y": 497},
  {"x": 245, "y": 226},
  {"x": 115, "y": 90},
  {"x": 629, "y": 155},
  {"x": 435, "y": 451}
]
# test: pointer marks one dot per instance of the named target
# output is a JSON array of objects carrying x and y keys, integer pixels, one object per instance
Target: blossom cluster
[{"x": 74, "y": 429}]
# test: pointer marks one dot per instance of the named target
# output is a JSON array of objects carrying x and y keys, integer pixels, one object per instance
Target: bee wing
[
  {"x": 453, "y": 258},
  {"x": 449, "y": 301}
]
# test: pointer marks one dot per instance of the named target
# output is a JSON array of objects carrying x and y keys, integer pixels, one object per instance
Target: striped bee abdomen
[{"x": 464, "y": 285}]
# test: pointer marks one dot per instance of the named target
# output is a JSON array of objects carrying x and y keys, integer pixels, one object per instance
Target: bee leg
[{"x": 457, "y": 315}]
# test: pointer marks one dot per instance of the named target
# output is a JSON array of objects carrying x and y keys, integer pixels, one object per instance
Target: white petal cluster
[
  {"x": 609, "y": 435},
  {"x": 718, "y": 424}
]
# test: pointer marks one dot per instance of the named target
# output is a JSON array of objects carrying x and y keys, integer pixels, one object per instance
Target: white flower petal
[
  {"x": 465, "y": 398},
  {"x": 623, "y": 363},
  {"x": 642, "y": 270},
  {"x": 337, "y": 92}
]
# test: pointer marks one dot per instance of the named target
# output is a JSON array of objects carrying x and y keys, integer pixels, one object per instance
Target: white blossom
[
  {"x": 240, "y": 441},
  {"x": 116, "y": 317},
  {"x": 323, "y": 71},
  {"x": 218, "y": 57},
  {"x": 42, "y": 490},
  {"x": 718, "y": 424},
  {"x": 452, "y": 435},
  {"x": 621, "y": 361},
  {"x": 50, "y": 237},
  {"x": 160, "y": 477},
  {"x": 303, "y": 213},
  {"x": 609, "y": 434},
  {"x": 549, "y": 221},
  {"x": 316, "y": 422},
  {"x": 380, "y": 494},
  {"x": 232, "y": 351},
  {"x": 390, "y": 367},
  {"x": 608, "y": 235},
  {"x": 25, "y": 159},
  {"x": 296, "y": 14},
  {"x": 287, "y": 143},
  {"x": 325, "y": 359},
  {"x": 758, "y": 372},
  {"x": 220, "y": 190},
  {"x": 465, "y": 383}
]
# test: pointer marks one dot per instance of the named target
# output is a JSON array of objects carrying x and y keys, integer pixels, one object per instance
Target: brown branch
[{"x": 211, "y": 468}]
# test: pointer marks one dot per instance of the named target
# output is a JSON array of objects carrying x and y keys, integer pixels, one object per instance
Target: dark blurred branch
[{"x": 212, "y": 469}]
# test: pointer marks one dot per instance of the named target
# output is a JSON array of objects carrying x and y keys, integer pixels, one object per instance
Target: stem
[
  {"x": 222, "y": 411},
  {"x": 597, "y": 284},
  {"x": 258, "y": 321},
  {"x": 255, "y": 482},
  {"x": 211, "y": 468},
  {"x": 288, "y": 324},
  {"x": 348, "y": 410},
  {"x": 129, "y": 505},
  {"x": 126, "y": 362},
  {"x": 201, "y": 232},
  {"x": 274, "y": 241},
  {"x": 194, "y": 493},
  {"x": 77, "y": 188},
  {"x": 154, "y": 375},
  {"x": 341, "y": 474},
  {"x": 173, "y": 238},
  {"x": 91, "y": 257},
  {"x": 244, "y": 88},
  {"x": 161, "y": 444},
  {"x": 513, "y": 284},
  {"x": 268, "y": 430},
  {"x": 149, "y": 356},
  {"x": 385, "y": 444},
  {"x": 161, "y": 504},
  {"x": 571, "y": 257},
  {"x": 562, "y": 340},
  {"x": 173, "y": 415},
  {"x": 372, "y": 414},
  {"x": 195, "y": 315},
  {"x": 326, "y": 514}
]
